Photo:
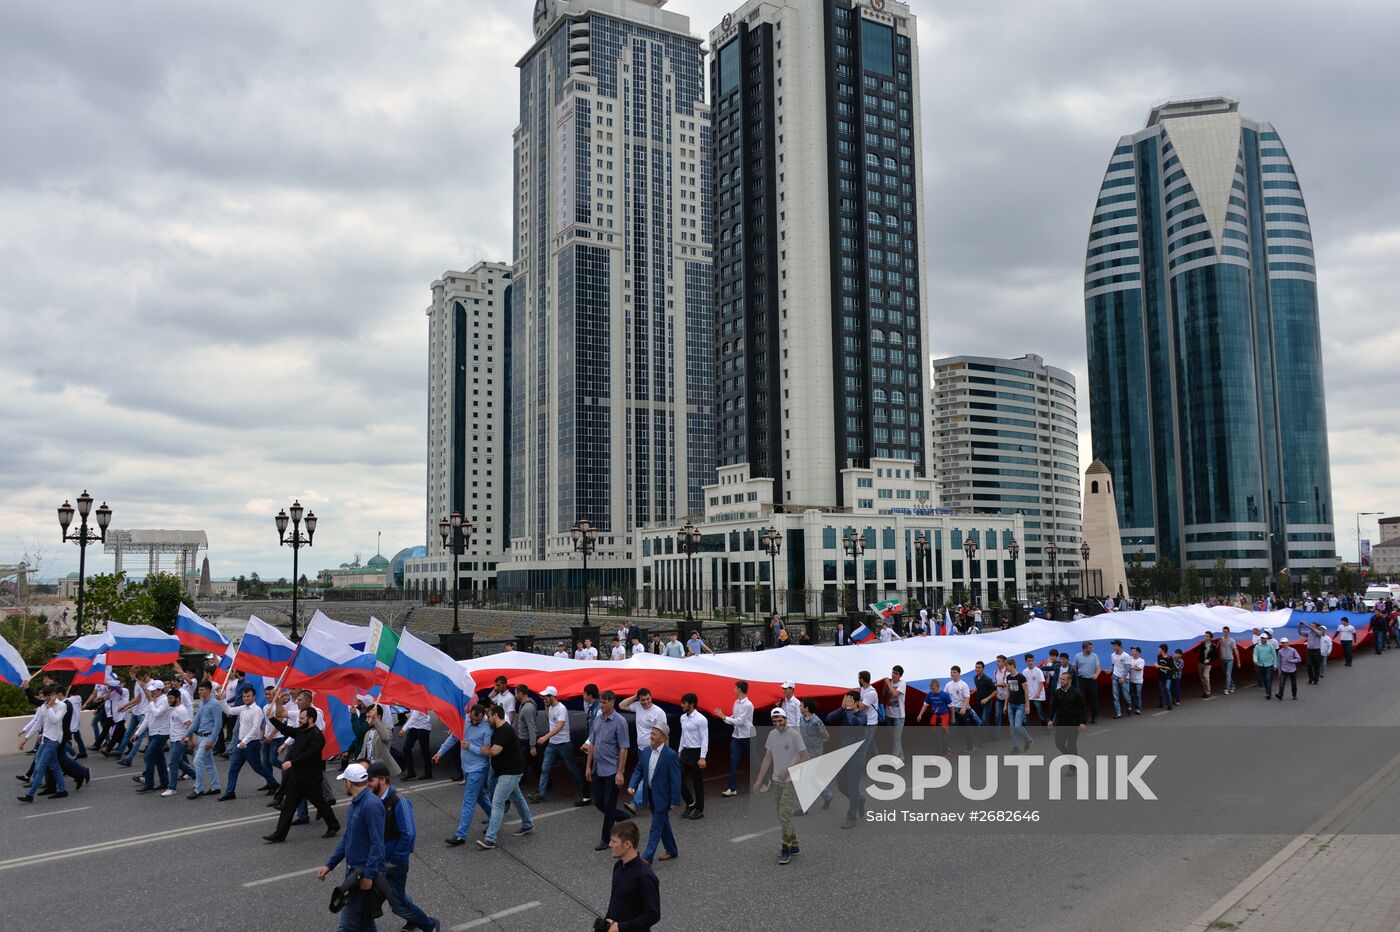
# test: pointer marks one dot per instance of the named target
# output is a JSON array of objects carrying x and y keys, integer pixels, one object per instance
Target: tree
[
  {"x": 106, "y": 601},
  {"x": 164, "y": 596},
  {"x": 1314, "y": 584},
  {"x": 1284, "y": 584},
  {"x": 1346, "y": 579},
  {"x": 1165, "y": 579},
  {"x": 1191, "y": 585},
  {"x": 1135, "y": 574},
  {"x": 1220, "y": 579},
  {"x": 1257, "y": 584}
]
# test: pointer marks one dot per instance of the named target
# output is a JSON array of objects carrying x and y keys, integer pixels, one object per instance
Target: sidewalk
[{"x": 1332, "y": 878}]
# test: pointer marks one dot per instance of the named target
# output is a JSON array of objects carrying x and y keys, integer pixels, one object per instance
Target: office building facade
[
  {"x": 819, "y": 264},
  {"x": 1205, "y": 361},
  {"x": 469, "y": 469},
  {"x": 612, "y": 388},
  {"x": 1006, "y": 441}
]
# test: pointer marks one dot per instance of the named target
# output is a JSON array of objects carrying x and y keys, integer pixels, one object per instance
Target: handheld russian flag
[
  {"x": 97, "y": 673},
  {"x": 79, "y": 655},
  {"x": 324, "y": 662},
  {"x": 220, "y": 675},
  {"x": 887, "y": 608},
  {"x": 424, "y": 678},
  {"x": 862, "y": 634},
  {"x": 197, "y": 634},
  {"x": 263, "y": 649},
  {"x": 13, "y": 669},
  {"x": 334, "y": 719},
  {"x": 140, "y": 645},
  {"x": 354, "y": 635},
  {"x": 947, "y": 622}
]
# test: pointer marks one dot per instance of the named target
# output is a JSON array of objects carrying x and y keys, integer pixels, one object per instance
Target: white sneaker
[
  {"x": 730, "y": 793},
  {"x": 168, "y": 793}
]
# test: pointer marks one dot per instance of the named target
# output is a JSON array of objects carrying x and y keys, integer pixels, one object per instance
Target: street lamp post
[
  {"x": 1014, "y": 548},
  {"x": 456, "y": 534},
  {"x": 296, "y": 541},
  {"x": 970, "y": 548},
  {"x": 772, "y": 541},
  {"x": 688, "y": 542},
  {"x": 82, "y": 537},
  {"x": 1054, "y": 553},
  {"x": 921, "y": 550},
  {"x": 1084, "y": 569},
  {"x": 855, "y": 546},
  {"x": 584, "y": 536}
]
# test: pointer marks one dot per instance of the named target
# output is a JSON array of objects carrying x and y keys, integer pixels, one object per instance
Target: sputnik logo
[{"x": 810, "y": 777}]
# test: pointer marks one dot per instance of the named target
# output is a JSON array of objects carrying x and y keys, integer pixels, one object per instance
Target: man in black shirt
[
  {"x": 984, "y": 691},
  {"x": 509, "y": 766},
  {"x": 635, "y": 904},
  {"x": 302, "y": 772}
]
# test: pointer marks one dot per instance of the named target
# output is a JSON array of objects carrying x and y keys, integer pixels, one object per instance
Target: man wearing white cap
[
  {"x": 790, "y": 704},
  {"x": 647, "y": 715},
  {"x": 659, "y": 770},
  {"x": 783, "y": 749},
  {"x": 361, "y": 848},
  {"x": 155, "y": 723},
  {"x": 1266, "y": 661},
  {"x": 558, "y": 744}
]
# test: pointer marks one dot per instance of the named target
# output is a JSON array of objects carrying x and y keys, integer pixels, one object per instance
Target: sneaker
[
  {"x": 697, "y": 814},
  {"x": 524, "y": 830},
  {"x": 783, "y": 856},
  {"x": 794, "y": 850},
  {"x": 485, "y": 845},
  {"x": 167, "y": 793},
  {"x": 730, "y": 792},
  {"x": 535, "y": 798},
  {"x": 456, "y": 841},
  {"x": 226, "y": 797},
  {"x": 630, "y": 807},
  {"x": 601, "y": 846},
  {"x": 62, "y": 794}
]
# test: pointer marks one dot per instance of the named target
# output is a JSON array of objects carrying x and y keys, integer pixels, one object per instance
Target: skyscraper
[
  {"x": 612, "y": 387},
  {"x": 1006, "y": 441},
  {"x": 469, "y": 472},
  {"x": 821, "y": 323},
  {"x": 1205, "y": 361}
]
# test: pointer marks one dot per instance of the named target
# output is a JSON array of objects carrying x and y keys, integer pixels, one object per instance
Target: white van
[{"x": 1379, "y": 591}]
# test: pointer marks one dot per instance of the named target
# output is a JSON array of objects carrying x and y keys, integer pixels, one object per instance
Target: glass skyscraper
[
  {"x": 612, "y": 387},
  {"x": 1205, "y": 359},
  {"x": 821, "y": 338}
]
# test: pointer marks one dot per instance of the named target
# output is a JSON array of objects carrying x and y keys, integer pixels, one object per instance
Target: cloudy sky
[{"x": 219, "y": 222}]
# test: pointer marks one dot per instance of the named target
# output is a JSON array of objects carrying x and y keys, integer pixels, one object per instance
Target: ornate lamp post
[
  {"x": 970, "y": 548},
  {"x": 456, "y": 534},
  {"x": 688, "y": 543},
  {"x": 1084, "y": 569},
  {"x": 771, "y": 541},
  {"x": 584, "y": 536},
  {"x": 855, "y": 546},
  {"x": 296, "y": 541},
  {"x": 82, "y": 537},
  {"x": 1014, "y": 548},
  {"x": 1054, "y": 553},
  {"x": 921, "y": 545}
]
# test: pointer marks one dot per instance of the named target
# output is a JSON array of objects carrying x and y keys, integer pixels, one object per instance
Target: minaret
[
  {"x": 206, "y": 588},
  {"x": 1101, "y": 531}
]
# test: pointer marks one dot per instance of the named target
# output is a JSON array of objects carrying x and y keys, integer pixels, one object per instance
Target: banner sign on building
[{"x": 1365, "y": 553}]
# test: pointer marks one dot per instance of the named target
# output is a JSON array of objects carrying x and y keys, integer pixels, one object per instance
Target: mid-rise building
[
  {"x": 469, "y": 423},
  {"x": 1205, "y": 358},
  {"x": 612, "y": 375},
  {"x": 1006, "y": 441},
  {"x": 821, "y": 305}
]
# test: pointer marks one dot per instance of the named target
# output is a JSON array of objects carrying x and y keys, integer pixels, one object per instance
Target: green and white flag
[
  {"x": 383, "y": 643},
  {"x": 887, "y": 608}
]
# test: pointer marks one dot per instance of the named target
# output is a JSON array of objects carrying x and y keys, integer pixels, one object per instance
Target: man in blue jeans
[
  {"x": 48, "y": 726},
  {"x": 1266, "y": 661},
  {"x": 1120, "y": 662},
  {"x": 156, "y": 725},
  {"x": 742, "y": 722},
  {"x": 508, "y": 763},
  {"x": 400, "y": 833},
  {"x": 558, "y": 745},
  {"x": 137, "y": 706},
  {"x": 208, "y": 721},
  {"x": 475, "y": 737}
]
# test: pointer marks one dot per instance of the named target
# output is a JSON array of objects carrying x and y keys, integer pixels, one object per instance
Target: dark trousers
[
  {"x": 299, "y": 790},
  {"x": 1346, "y": 651},
  {"x": 418, "y": 736},
  {"x": 692, "y": 779},
  {"x": 1290, "y": 677},
  {"x": 115, "y": 739},
  {"x": 605, "y": 800},
  {"x": 1314, "y": 664},
  {"x": 1067, "y": 739},
  {"x": 1378, "y": 638},
  {"x": 1089, "y": 689}
]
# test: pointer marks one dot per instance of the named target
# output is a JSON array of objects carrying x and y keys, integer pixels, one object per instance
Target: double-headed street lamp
[
  {"x": 1084, "y": 569},
  {"x": 1014, "y": 548},
  {"x": 83, "y": 536},
  {"x": 855, "y": 546},
  {"x": 456, "y": 538},
  {"x": 1053, "y": 552},
  {"x": 771, "y": 541},
  {"x": 688, "y": 543},
  {"x": 921, "y": 550},
  {"x": 584, "y": 536},
  {"x": 970, "y": 548},
  {"x": 296, "y": 541}
]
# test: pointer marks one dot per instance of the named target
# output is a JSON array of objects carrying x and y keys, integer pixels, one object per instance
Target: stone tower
[{"x": 1101, "y": 531}]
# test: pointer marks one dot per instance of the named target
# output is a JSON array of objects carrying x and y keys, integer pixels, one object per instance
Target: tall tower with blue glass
[
  {"x": 612, "y": 387},
  {"x": 1205, "y": 359}
]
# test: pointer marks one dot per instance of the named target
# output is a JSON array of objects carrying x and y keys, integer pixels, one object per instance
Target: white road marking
[
  {"x": 40, "y": 815},
  {"x": 1163, "y": 712},
  {"x": 487, "y": 920},
  {"x": 1099, "y": 732},
  {"x": 111, "y": 777},
  {"x": 753, "y": 835},
  {"x": 555, "y": 812},
  {"x": 259, "y": 883},
  {"x": 119, "y": 843}
]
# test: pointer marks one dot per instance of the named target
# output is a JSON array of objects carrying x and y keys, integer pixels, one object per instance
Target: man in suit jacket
[
  {"x": 842, "y": 639},
  {"x": 659, "y": 770}
]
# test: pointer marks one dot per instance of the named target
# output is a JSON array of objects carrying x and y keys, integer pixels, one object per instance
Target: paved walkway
[{"x": 1335, "y": 878}]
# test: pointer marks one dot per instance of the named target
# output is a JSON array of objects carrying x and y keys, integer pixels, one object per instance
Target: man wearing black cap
[{"x": 399, "y": 836}]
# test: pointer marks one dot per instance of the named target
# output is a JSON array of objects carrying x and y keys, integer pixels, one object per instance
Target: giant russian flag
[
  {"x": 197, "y": 634},
  {"x": 140, "y": 645},
  {"x": 263, "y": 650},
  {"x": 424, "y": 678},
  {"x": 324, "y": 662},
  {"x": 334, "y": 721},
  {"x": 13, "y": 669},
  {"x": 97, "y": 674},
  {"x": 80, "y": 654}
]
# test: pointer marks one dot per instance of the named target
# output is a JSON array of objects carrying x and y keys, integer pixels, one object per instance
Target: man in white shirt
[
  {"x": 789, "y": 703},
  {"x": 589, "y": 651},
  {"x": 1119, "y": 660},
  {"x": 419, "y": 728},
  {"x": 638, "y": 648},
  {"x": 503, "y": 696},
  {"x": 181, "y": 717},
  {"x": 558, "y": 745},
  {"x": 742, "y": 720},
  {"x": 247, "y": 745},
  {"x": 674, "y": 647},
  {"x": 1346, "y": 633},
  {"x": 155, "y": 724},
  {"x": 578, "y": 651},
  {"x": 618, "y": 651},
  {"x": 561, "y": 652},
  {"x": 47, "y": 724},
  {"x": 869, "y": 701},
  {"x": 958, "y": 698},
  {"x": 894, "y": 709},
  {"x": 695, "y": 747},
  {"x": 647, "y": 715},
  {"x": 135, "y": 708},
  {"x": 886, "y": 634},
  {"x": 1136, "y": 664},
  {"x": 1035, "y": 687}
]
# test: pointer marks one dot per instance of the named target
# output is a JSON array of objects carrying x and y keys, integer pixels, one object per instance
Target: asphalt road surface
[{"x": 106, "y": 856}]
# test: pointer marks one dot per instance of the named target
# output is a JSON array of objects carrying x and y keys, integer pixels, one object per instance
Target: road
[{"x": 105, "y": 852}]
